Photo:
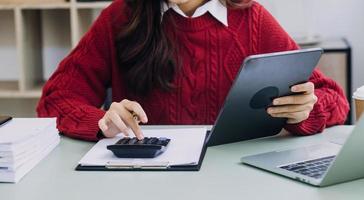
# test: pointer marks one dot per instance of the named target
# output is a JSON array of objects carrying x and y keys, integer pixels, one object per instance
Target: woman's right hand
[{"x": 121, "y": 117}]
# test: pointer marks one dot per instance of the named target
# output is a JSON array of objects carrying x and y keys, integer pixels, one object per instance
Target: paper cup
[{"x": 359, "y": 102}]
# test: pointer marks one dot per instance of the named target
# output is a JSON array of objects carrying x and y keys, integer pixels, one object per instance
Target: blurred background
[
  {"x": 326, "y": 23},
  {"x": 36, "y": 34}
]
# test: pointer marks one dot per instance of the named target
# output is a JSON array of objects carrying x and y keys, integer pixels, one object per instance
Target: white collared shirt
[{"x": 217, "y": 9}]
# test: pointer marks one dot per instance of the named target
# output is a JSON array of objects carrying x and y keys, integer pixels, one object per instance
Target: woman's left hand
[{"x": 296, "y": 108}]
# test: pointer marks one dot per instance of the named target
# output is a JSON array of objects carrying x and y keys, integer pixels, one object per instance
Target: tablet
[{"x": 261, "y": 79}]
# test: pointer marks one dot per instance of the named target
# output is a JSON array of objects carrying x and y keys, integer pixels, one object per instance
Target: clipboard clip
[{"x": 142, "y": 166}]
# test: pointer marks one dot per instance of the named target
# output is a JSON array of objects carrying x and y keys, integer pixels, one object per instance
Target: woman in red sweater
[{"x": 173, "y": 62}]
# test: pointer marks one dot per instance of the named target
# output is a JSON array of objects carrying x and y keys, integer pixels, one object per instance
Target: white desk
[{"x": 221, "y": 177}]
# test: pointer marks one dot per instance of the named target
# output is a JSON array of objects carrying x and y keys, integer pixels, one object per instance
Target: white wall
[{"x": 329, "y": 18}]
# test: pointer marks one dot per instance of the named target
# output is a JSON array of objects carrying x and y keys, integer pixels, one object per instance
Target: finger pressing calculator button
[{"x": 141, "y": 141}]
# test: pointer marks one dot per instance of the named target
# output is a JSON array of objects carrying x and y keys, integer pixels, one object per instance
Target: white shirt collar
[{"x": 217, "y": 9}]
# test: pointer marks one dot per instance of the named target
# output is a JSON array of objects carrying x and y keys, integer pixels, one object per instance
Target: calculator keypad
[
  {"x": 149, "y": 147},
  {"x": 145, "y": 141}
]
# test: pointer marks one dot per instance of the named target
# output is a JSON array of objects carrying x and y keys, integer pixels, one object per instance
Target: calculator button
[
  {"x": 153, "y": 140},
  {"x": 123, "y": 141},
  {"x": 163, "y": 141},
  {"x": 133, "y": 141},
  {"x": 141, "y": 141},
  {"x": 148, "y": 141}
]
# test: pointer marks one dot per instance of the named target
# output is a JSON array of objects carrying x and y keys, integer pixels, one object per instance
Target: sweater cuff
[
  {"x": 315, "y": 123},
  {"x": 84, "y": 125},
  {"x": 100, "y": 135},
  {"x": 92, "y": 123}
]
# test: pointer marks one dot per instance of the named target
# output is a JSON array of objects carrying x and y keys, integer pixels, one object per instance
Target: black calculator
[{"x": 149, "y": 147}]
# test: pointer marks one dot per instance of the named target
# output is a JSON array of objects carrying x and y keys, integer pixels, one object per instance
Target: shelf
[
  {"x": 18, "y": 107},
  {"x": 84, "y": 20},
  {"x": 8, "y": 51},
  {"x": 10, "y": 89},
  {"x": 331, "y": 44},
  {"x": 60, "y": 5},
  {"x": 11, "y": 94},
  {"x": 17, "y": 94},
  {"x": 31, "y": 49},
  {"x": 9, "y": 86},
  {"x": 35, "y": 5},
  {"x": 64, "y": 5},
  {"x": 92, "y": 5},
  {"x": 7, "y": 7},
  {"x": 34, "y": 38},
  {"x": 56, "y": 39}
]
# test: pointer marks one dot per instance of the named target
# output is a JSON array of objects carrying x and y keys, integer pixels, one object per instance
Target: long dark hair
[{"x": 145, "y": 53}]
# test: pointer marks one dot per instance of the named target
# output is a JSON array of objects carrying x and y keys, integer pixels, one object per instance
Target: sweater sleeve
[
  {"x": 77, "y": 89},
  {"x": 332, "y": 106}
]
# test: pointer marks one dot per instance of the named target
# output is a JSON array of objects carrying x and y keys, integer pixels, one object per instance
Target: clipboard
[{"x": 160, "y": 166}]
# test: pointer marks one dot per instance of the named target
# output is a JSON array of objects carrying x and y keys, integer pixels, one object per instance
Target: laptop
[
  {"x": 261, "y": 79},
  {"x": 319, "y": 165}
]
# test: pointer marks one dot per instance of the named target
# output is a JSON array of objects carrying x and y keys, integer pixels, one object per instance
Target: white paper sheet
[
  {"x": 21, "y": 129},
  {"x": 184, "y": 148}
]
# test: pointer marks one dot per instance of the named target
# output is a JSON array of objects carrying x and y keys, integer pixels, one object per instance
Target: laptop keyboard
[{"x": 313, "y": 168}]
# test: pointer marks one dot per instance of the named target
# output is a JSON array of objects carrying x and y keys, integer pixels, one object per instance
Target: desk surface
[{"x": 221, "y": 176}]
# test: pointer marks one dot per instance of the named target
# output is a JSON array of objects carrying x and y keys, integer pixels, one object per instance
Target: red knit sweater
[{"x": 212, "y": 54}]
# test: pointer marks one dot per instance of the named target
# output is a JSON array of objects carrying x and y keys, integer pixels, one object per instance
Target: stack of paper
[{"x": 23, "y": 144}]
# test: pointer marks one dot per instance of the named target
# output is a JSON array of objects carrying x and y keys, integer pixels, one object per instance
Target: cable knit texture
[{"x": 211, "y": 54}]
